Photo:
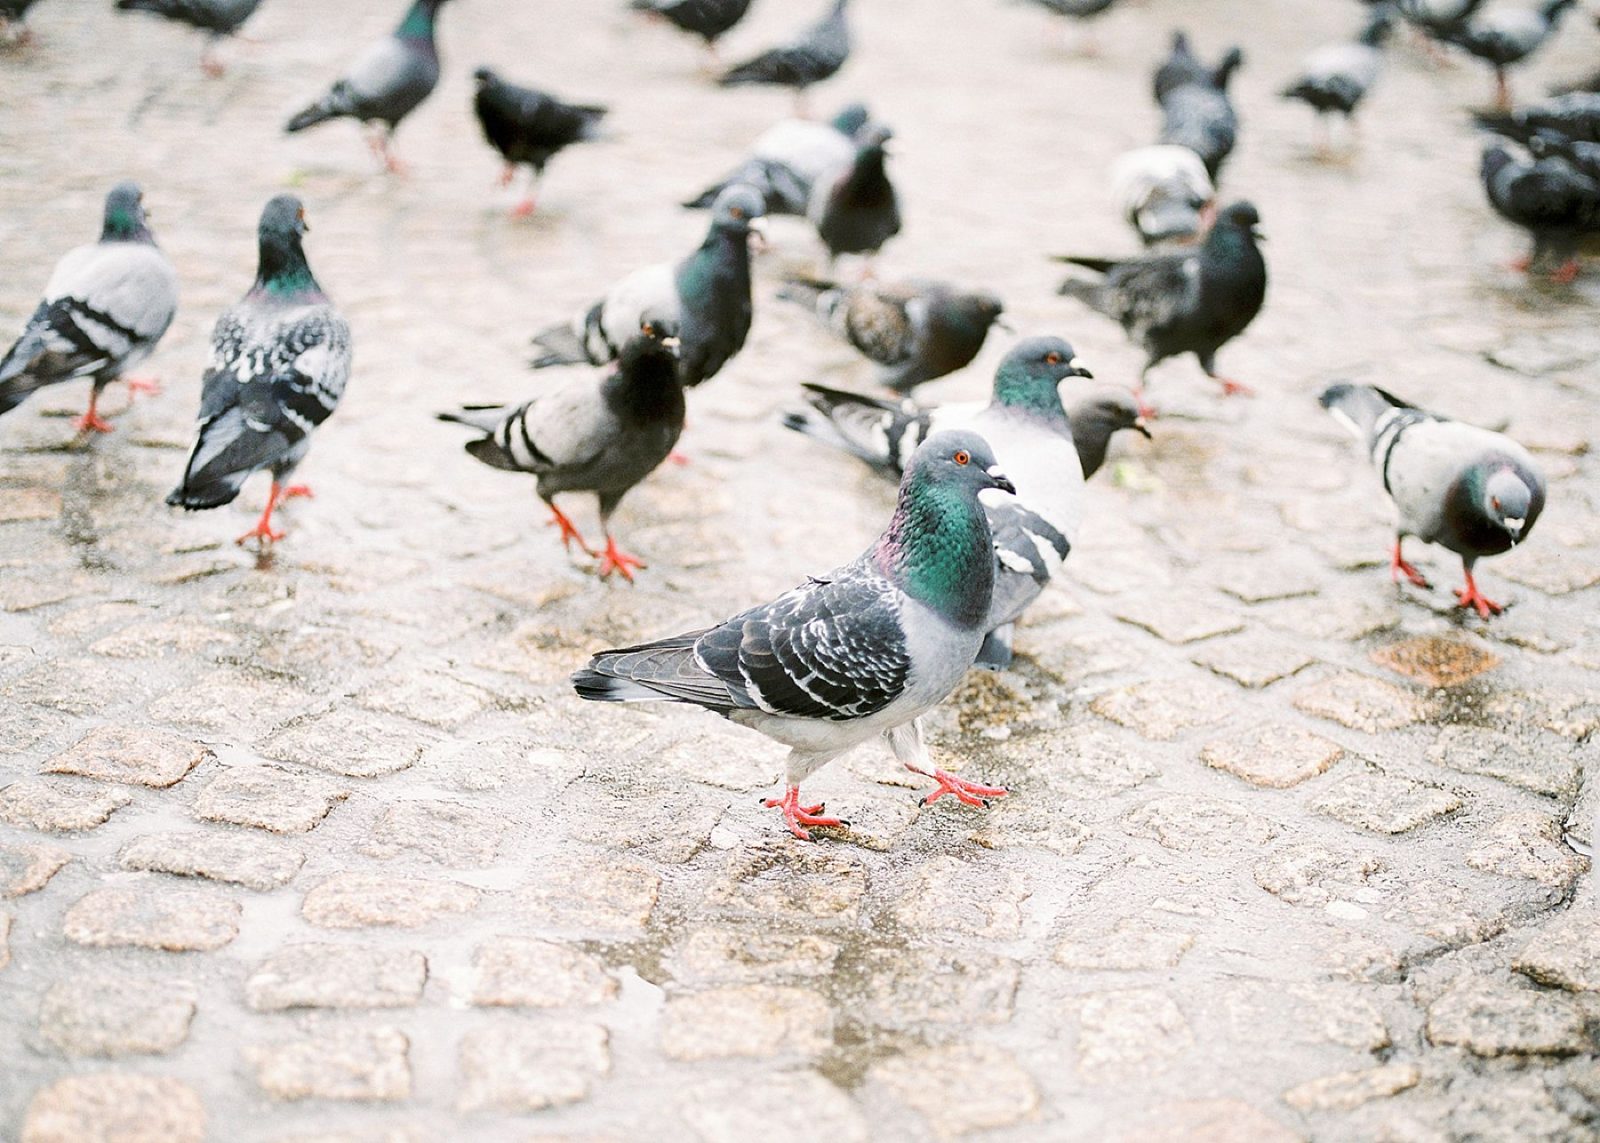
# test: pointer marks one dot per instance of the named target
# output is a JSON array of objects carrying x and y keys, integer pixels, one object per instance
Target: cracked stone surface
[
  {"x": 1384, "y": 803},
  {"x": 1490, "y": 1018},
  {"x": 111, "y": 1015},
  {"x": 1565, "y": 954},
  {"x": 336, "y": 976},
  {"x": 127, "y": 754}
]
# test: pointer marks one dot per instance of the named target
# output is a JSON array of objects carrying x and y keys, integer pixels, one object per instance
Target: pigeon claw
[
  {"x": 295, "y": 490},
  {"x": 92, "y": 422},
  {"x": 614, "y": 559},
  {"x": 569, "y": 531},
  {"x": 523, "y": 209},
  {"x": 969, "y": 793},
  {"x": 1470, "y": 596},
  {"x": 1566, "y": 273},
  {"x": 1231, "y": 388},
  {"x": 797, "y": 817},
  {"x": 1399, "y": 567}
]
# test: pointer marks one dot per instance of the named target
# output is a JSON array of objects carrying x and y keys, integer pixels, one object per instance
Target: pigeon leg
[
  {"x": 209, "y": 63},
  {"x": 91, "y": 421},
  {"x": 525, "y": 208},
  {"x": 1231, "y": 388},
  {"x": 1470, "y": 596},
  {"x": 262, "y": 533},
  {"x": 1521, "y": 265},
  {"x": 1146, "y": 410},
  {"x": 1399, "y": 567},
  {"x": 802, "y": 106},
  {"x": 971, "y": 793},
  {"x": 614, "y": 559},
  {"x": 1502, "y": 90},
  {"x": 136, "y": 385},
  {"x": 797, "y": 817},
  {"x": 507, "y": 174},
  {"x": 569, "y": 531},
  {"x": 1566, "y": 273},
  {"x": 391, "y": 161}
]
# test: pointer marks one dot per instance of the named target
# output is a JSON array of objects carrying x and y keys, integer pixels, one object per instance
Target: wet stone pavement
[{"x": 321, "y": 846}]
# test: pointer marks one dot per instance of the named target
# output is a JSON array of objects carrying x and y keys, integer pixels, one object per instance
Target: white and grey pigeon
[
  {"x": 386, "y": 83},
  {"x": 104, "y": 308},
  {"x": 1505, "y": 36},
  {"x": 600, "y": 435},
  {"x": 791, "y": 157},
  {"x": 219, "y": 19},
  {"x": 279, "y": 362},
  {"x": 815, "y": 56},
  {"x": 856, "y": 210},
  {"x": 1195, "y": 109},
  {"x": 1471, "y": 490},
  {"x": 917, "y": 330},
  {"x": 862, "y": 651},
  {"x": 1025, "y": 423},
  {"x": 706, "y": 297},
  {"x": 1164, "y": 192},
  {"x": 1336, "y": 77}
]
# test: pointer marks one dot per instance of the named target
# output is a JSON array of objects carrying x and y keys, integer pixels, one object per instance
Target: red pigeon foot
[
  {"x": 971, "y": 793},
  {"x": 1399, "y": 567},
  {"x": 797, "y": 817},
  {"x": 1470, "y": 596},
  {"x": 614, "y": 559}
]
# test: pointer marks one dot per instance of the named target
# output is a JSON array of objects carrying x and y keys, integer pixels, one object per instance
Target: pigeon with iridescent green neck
[
  {"x": 104, "y": 308},
  {"x": 860, "y": 652}
]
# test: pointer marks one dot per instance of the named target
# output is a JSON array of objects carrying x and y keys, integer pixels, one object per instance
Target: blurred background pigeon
[
  {"x": 528, "y": 127},
  {"x": 1549, "y": 198},
  {"x": 815, "y": 56},
  {"x": 791, "y": 157},
  {"x": 1164, "y": 192},
  {"x": 1504, "y": 37},
  {"x": 218, "y": 18},
  {"x": 1337, "y": 77},
  {"x": 708, "y": 19},
  {"x": 1195, "y": 109}
]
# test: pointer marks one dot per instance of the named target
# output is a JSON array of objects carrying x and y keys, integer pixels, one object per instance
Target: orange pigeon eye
[
  {"x": 963, "y": 457},
  {"x": 1052, "y": 358}
]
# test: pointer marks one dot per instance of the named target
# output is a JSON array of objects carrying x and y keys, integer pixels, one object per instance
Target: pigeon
[
  {"x": 857, "y": 210},
  {"x": 103, "y": 311},
  {"x": 1471, "y": 490},
  {"x": 1549, "y": 198},
  {"x": 916, "y": 330},
  {"x": 815, "y": 56},
  {"x": 790, "y": 158},
  {"x": 1584, "y": 157},
  {"x": 528, "y": 127},
  {"x": 708, "y": 19},
  {"x": 279, "y": 362},
  {"x": 707, "y": 296},
  {"x": 591, "y": 435},
  {"x": 1336, "y": 77},
  {"x": 386, "y": 83},
  {"x": 1577, "y": 116},
  {"x": 1196, "y": 111},
  {"x": 1437, "y": 20},
  {"x": 1506, "y": 36},
  {"x": 1095, "y": 420},
  {"x": 12, "y": 14},
  {"x": 1191, "y": 301},
  {"x": 219, "y": 18},
  {"x": 1079, "y": 10},
  {"x": 1033, "y": 440},
  {"x": 1164, "y": 192},
  {"x": 861, "y": 651}
]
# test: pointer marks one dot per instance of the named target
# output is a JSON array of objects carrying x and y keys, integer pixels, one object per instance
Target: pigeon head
[
  {"x": 851, "y": 119},
  {"x": 1508, "y": 501},
  {"x": 737, "y": 207},
  {"x": 1495, "y": 159},
  {"x": 1240, "y": 216},
  {"x": 975, "y": 311},
  {"x": 418, "y": 22},
  {"x": 125, "y": 217},
  {"x": 483, "y": 77},
  {"x": 1028, "y": 376},
  {"x": 1113, "y": 411},
  {"x": 1379, "y": 27},
  {"x": 283, "y": 270},
  {"x": 658, "y": 333}
]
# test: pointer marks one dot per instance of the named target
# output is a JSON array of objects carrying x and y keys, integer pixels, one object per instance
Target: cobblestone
[
  {"x": 1178, "y": 620},
  {"x": 790, "y": 885},
  {"x": 1163, "y": 709},
  {"x": 336, "y": 976},
  {"x": 1253, "y": 661},
  {"x": 515, "y": 1068},
  {"x": 237, "y": 858},
  {"x": 1493, "y": 1019},
  {"x": 28, "y": 868},
  {"x": 368, "y": 1064},
  {"x": 1533, "y": 761},
  {"x": 281, "y": 801},
  {"x": 522, "y": 972},
  {"x": 905, "y": 987},
  {"x": 126, "y": 754},
  {"x": 1200, "y": 825},
  {"x": 1346, "y": 1091},
  {"x": 59, "y": 806},
  {"x": 1272, "y": 754},
  {"x": 118, "y": 1106},
  {"x": 353, "y": 743},
  {"x": 729, "y": 1111},
  {"x": 112, "y": 1015},
  {"x": 1565, "y": 954},
  {"x": 1130, "y": 1032},
  {"x": 1528, "y": 844},
  {"x": 1384, "y": 803},
  {"x": 568, "y": 893},
  {"x": 1360, "y": 702},
  {"x": 175, "y": 920},
  {"x": 744, "y": 956},
  {"x": 445, "y": 832},
  {"x": 364, "y": 900},
  {"x": 1130, "y": 946},
  {"x": 747, "y": 1020},
  {"x": 1435, "y": 660},
  {"x": 997, "y": 1090}
]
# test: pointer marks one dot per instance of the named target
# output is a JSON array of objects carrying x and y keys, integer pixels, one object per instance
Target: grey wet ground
[{"x": 324, "y": 848}]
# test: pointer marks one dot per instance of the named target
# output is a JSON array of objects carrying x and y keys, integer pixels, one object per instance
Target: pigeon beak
[
  {"x": 1000, "y": 480},
  {"x": 671, "y": 342},
  {"x": 1002, "y": 323},
  {"x": 758, "y": 236},
  {"x": 1255, "y": 232},
  {"x": 1141, "y": 428},
  {"x": 1514, "y": 526},
  {"x": 1076, "y": 370}
]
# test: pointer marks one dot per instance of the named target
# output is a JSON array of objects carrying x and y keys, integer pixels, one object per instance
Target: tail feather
[
  {"x": 1359, "y": 407},
  {"x": 207, "y": 491},
  {"x": 330, "y": 106},
  {"x": 1086, "y": 291},
  {"x": 880, "y": 432},
  {"x": 561, "y": 347},
  {"x": 484, "y": 417},
  {"x": 1098, "y": 265}
]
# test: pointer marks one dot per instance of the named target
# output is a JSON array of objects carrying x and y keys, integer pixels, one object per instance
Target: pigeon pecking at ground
[
  {"x": 706, "y": 296},
  {"x": 916, "y": 330},
  {"x": 279, "y": 362},
  {"x": 1471, "y": 490},
  {"x": 791, "y": 157},
  {"x": 1551, "y": 199},
  {"x": 104, "y": 309},
  {"x": 1192, "y": 301},
  {"x": 600, "y": 435},
  {"x": 385, "y": 84},
  {"x": 1164, "y": 192},
  {"x": 1504, "y": 37},
  {"x": 1337, "y": 77},
  {"x": 815, "y": 56},
  {"x": 528, "y": 127},
  {"x": 708, "y": 19},
  {"x": 218, "y": 18},
  {"x": 861, "y": 651},
  {"x": 857, "y": 210},
  {"x": 1195, "y": 109},
  {"x": 1027, "y": 427}
]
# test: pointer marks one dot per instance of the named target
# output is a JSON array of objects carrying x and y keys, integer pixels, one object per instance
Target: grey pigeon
[
  {"x": 1504, "y": 37},
  {"x": 916, "y": 330},
  {"x": 104, "y": 309},
  {"x": 219, "y": 18},
  {"x": 1550, "y": 198},
  {"x": 791, "y": 157},
  {"x": 529, "y": 127},
  {"x": 1029, "y": 431},
  {"x": 386, "y": 83},
  {"x": 1337, "y": 77},
  {"x": 279, "y": 362},
  {"x": 1164, "y": 192},
  {"x": 812, "y": 58},
  {"x": 1095, "y": 420},
  {"x": 1577, "y": 116},
  {"x": 601, "y": 435},
  {"x": 1584, "y": 157},
  {"x": 1195, "y": 109},
  {"x": 706, "y": 296},
  {"x": 1473, "y": 491},
  {"x": 861, "y": 651},
  {"x": 857, "y": 210},
  {"x": 1193, "y": 301},
  {"x": 1437, "y": 18},
  {"x": 708, "y": 19}
]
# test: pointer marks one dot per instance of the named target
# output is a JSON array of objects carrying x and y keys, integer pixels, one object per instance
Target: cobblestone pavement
[{"x": 322, "y": 847}]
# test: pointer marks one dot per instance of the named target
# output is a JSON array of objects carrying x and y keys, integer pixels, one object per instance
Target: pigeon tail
[
  {"x": 484, "y": 417},
  {"x": 1358, "y": 407},
  {"x": 598, "y": 687},
  {"x": 328, "y": 107},
  {"x": 213, "y": 492},
  {"x": 1090, "y": 293},
  {"x": 561, "y": 347}
]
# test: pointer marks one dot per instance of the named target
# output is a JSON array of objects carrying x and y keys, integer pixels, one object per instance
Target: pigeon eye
[
  {"x": 736, "y": 211},
  {"x": 1052, "y": 358},
  {"x": 962, "y": 457}
]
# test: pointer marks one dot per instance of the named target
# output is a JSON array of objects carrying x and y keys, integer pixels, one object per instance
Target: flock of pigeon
[{"x": 990, "y": 495}]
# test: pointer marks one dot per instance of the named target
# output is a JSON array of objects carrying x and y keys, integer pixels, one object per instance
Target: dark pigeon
[
  {"x": 861, "y": 651},
  {"x": 1575, "y": 116},
  {"x": 1095, "y": 420},
  {"x": 857, "y": 210},
  {"x": 1195, "y": 109},
  {"x": 790, "y": 158},
  {"x": 219, "y": 18},
  {"x": 1504, "y": 37},
  {"x": 1549, "y": 198},
  {"x": 708, "y": 19},
  {"x": 815, "y": 56},
  {"x": 12, "y": 15},
  {"x": 1584, "y": 157},
  {"x": 528, "y": 126},
  {"x": 1336, "y": 77},
  {"x": 1473, "y": 491}
]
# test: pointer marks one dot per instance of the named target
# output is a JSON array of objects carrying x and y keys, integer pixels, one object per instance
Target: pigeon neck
[
  {"x": 125, "y": 224},
  {"x": 938, "y": 549},
  {"x": 283, "y": 272},
  {"x": 645, "y": 387},
  {"x": 1022, "y": 393},
  {"x": 1091, "y": 434},
  {"x": 418, "y": 23},
  {"x": 867, "y": 174}
]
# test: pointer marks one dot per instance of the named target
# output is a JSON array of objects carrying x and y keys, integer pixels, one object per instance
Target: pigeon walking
[
  {"x": 279, "y": 362},
  {"x": 104, "y": 309},
  {"x": 708, "y": 19},
  {"x": 385, "y": 84},
  {"x": 1337, "y": 77},
  {"x": 1195, "y": 109},
  {"x": 1192, "y": 301},
  {"x": 1028, "y": 429},
  {"x": 1473, "y": 491},
  {"x": 1549, "y": 198},
  {"x": 601, "y": 435},
  {"x": 1504, "y": 37},
  {"x": 791, "y": 157},
  {"x": 916, "y": 330},
  {"x": 857, "y": 210},
  {"x": 706, "y": 296},
  {"x": 1164, "y": 192},
  {"x": 220, "y": 19},
  {"x": 528, "y": 127},
  {"x": 862, "y": 651},
  {"x": 812, "y": 58}
]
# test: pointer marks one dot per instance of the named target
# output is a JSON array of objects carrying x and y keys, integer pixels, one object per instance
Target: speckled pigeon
[
  {"x": 707, "y": 297},
  {"x": 279, "y": 362},
  {"x": 104, "y": 308},
  {"x": 917, "y": 330},
  {"x": 1503, "y": 37},
  {"x": 790, "y": 158},
  {"x": 1337, "y": 77},
  {"x": 1550, "y": 198},
  {"x": 592, "y": 434},
  {"x": 861, "y": 651},
  {"x": 218, "y": 18},
  {"x": 386, "y": 83},
  {"x": 1195, "y": 109},
  {"x": 1192, "y": 301},
  {"x": 1163, "y": 191},
  {"x": 812, "y": 58},
  {"x": 1031, "y": 436},
  {"x": 1471, "y": 490},
  {"x": 857, "y": 210},
  {"x": 528, "y": 127},
  {"x": 1577, "y": 116},
  {"x": 708, "y": 19}
]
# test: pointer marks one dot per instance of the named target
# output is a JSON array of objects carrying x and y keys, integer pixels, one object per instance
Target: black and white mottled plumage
[
  {"x": 791, "y": 157},
  {"x": 218, "y": 18},
  {"x": 1550, "y": 198},
  {"x": 917, "y": 330},
  {"x": 1336, "y": 77},
  {"x": 1163, "y": 191},
  {"x": 1505, "y": 36},
  {"x": 280, "y": 359},
  {"x": 104, "y": 308},
  {"x": 1195, "y": 109},
  {"x": 859, "y": 652},
  {"x": 708, "y": 19},
  {"x": 857, "y": 210},
  {"x": 706, "y": 297},
  {"x": 815, "y": 56},
  {"x": 527, "y": 126},
  {"x": 1471, "y": 490}
]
